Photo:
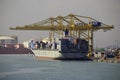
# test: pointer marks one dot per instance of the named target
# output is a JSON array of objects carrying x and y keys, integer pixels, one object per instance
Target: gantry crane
[{"x": 79, "y": 26}]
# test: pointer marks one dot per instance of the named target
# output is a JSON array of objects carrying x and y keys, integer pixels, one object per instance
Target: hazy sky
[{"x": 21, "y": 12}]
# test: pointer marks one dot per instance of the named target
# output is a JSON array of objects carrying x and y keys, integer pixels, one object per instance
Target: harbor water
[{"x": 27, "y": 67}]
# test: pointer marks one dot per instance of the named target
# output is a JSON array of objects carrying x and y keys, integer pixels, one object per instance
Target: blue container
[{"x": 95, "y": 23}]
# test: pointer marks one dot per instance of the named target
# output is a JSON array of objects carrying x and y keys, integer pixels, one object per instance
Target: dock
[{"x": 109, "y": 60}]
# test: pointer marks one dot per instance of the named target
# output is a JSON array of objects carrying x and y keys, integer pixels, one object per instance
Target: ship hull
[{"x": 55, "y": 54}]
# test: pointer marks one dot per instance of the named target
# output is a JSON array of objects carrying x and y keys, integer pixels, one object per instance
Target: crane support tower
[{"x": 79, "y": 26}]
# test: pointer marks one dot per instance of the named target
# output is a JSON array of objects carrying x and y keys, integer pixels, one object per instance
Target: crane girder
[{"x": 60, "y": 28}]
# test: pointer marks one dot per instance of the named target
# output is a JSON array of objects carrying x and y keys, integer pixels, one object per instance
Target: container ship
[{"x": 64, "y": 48}]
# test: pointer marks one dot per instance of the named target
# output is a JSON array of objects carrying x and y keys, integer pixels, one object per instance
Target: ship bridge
[{"x": 72, "y": 25}]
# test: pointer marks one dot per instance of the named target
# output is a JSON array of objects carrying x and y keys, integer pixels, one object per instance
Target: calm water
[{"x": 26, "y": 67}]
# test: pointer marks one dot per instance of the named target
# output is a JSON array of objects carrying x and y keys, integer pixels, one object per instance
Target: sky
[{"x": 23, "y": 12}]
